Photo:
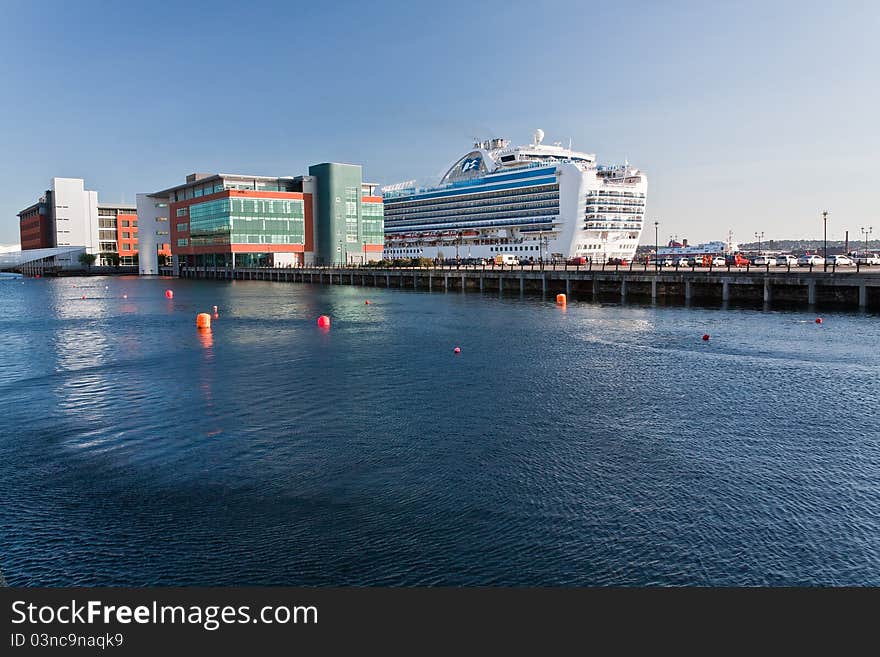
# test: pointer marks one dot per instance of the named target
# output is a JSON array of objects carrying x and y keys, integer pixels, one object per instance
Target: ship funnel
[{"x": 539, "y": 136}]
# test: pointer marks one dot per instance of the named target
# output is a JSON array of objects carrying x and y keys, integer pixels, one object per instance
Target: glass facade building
[{"x": 327, "y": 217}]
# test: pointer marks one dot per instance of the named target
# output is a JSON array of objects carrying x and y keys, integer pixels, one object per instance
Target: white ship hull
[{"x": 538, "y": 202}]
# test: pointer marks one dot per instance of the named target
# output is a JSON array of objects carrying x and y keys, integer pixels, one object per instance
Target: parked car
[
  {"x": 763, "y": 261},
  {"x": 683, "y": 262},
  {"x": 868, "y": 259},
  {"x": 807, "y": 260},
  {"x": 738, "y": 260},
  {"x": 577, "y": 260},
  {"x": 841, "y": 261},
  {"x": 665, "y": 261},
  {"x": 527, "y": 260},
  {"x": 718, "y": 261},
  {"x": 617, "y": 261},
  {"x": 786, "y": 261}
]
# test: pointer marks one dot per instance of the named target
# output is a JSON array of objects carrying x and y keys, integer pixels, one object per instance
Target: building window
[
  {"x": 182, "y": 227},
  {"x": 182, "y": 242},
  {"x": 125, "y": 236},
  {"x": 125, "y": 223},
  {"x": 161, "y": 218},
  {"x": 181, "y": 212},
  {"x": 161, "y": 232}
]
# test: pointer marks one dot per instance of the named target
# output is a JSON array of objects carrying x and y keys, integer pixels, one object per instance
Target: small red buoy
[
  {"x": 84, "y": 296},
  {"x": 457, "y": 350},
  {"x": 169, "y": 294},
  {"x": 367, "y": 302},
  {"x": 706, "y": 337},
  {"x": 818, "y": 319},
  {"x": 324, "y": 322}
]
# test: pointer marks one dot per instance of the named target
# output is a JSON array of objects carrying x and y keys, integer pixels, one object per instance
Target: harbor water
[{"x": 586, "y": 445}]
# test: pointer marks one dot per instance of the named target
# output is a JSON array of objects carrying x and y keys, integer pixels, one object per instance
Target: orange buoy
[
  {"x": 457, "y": 350},
  {"x": 706, "y": 337},
  {"x": 169, "y": 294},
  {"x": 324, "y": 322},
  {"x": 818, "y": 319},
  {"x": 203, "y": 321},
  {"x": 561, "y": 299}
]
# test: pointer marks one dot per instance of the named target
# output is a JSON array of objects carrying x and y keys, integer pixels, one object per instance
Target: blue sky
[{"x": 747, "y": 116}]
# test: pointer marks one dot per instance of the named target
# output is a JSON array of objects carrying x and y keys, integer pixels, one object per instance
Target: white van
[{"x": 506, "y": 259}]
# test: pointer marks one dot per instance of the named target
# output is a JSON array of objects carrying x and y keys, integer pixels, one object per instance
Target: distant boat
[{"x": 9, "y": 276}]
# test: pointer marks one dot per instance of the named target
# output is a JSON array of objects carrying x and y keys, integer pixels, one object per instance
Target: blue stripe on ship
[{"x": 481, "y": 187}]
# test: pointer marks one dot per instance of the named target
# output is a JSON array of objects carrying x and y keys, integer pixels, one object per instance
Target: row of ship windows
[
  {"x": 476, "y": 211},
  {"x": 628, "y": 215},
  {"x": 504, "y": 211},
  {"x": 480, "y": 224},
  {"x": 607, "y": 203},
  {"x": 612, "y": 227},
  {"x": 470, "y": 218},
  {"x": 500, "y": 248},
  {"x": 504, "y": 193},
  {"x": 602, "y": 192},
  {"x": 540, "y": 195}
]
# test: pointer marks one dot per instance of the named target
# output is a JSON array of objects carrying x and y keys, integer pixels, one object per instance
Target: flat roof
[
  {"x": 30, "y": 207},
  {"x": 219, "y": 176}
]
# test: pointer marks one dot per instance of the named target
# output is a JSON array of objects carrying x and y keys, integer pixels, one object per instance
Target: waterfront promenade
[{"x": 844, "y": 287}]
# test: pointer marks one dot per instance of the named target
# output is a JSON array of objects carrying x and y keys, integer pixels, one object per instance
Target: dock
[{"x": 851, "y": 288}]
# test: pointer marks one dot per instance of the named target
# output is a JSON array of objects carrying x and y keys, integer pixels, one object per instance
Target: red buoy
[
  {"x": 457, "y": 350},
  {"x": 169, "y": 294},
  {"x": 367, "y": 302},
  {"x": 818, "y": 320},
  {"x": 84, "y": 296},
  {"x": 706, "y": 337},
  {"x": 324, "y": 322}
]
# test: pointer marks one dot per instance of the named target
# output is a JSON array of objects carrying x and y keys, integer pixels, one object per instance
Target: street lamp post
[
  {"x": 541, "y": 248},
  {"x": 866, "y": 231},
  {"x": 759, "y": 237},
  {"x": 825, "y": 240},
  {"x": 656, "y": 244}
]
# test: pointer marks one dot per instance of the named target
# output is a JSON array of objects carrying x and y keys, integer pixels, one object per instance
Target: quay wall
[{"x": 846, "y": 289}]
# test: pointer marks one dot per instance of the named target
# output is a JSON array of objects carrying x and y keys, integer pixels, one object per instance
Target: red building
[{"x": 35, "y": 227}]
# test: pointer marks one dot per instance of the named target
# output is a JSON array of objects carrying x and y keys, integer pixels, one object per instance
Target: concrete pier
[{"x": 799, "y": 287}]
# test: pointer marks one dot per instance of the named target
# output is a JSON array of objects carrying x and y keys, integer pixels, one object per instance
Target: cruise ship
[{"x": 538, "y": 202}]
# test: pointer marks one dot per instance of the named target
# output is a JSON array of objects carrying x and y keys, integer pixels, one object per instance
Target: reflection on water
[
  {"x": 206, "y": 339},
  {"x": 580, "y": 445}
]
